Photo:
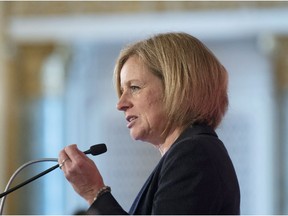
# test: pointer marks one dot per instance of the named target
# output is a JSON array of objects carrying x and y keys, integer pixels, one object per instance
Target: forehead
[{"x": 135, "y": 69}]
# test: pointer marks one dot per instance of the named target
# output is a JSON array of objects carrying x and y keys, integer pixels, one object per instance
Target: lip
[{"x": 131, "y": 120}]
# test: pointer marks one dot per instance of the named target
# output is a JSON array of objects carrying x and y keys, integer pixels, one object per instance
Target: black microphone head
[{"x": 97, "y": 149}]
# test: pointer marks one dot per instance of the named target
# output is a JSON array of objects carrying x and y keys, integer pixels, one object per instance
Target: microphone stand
[
  {"x": 7, "y": 190},
  {"x": 94, "y": 150}
]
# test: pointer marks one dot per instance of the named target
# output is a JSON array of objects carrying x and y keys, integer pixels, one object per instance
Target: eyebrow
[{"x": 130, "y": 81}]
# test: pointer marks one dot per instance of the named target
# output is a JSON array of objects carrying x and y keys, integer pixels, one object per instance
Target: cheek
[
  {"x": 152, "y": 102},
  {"x": 156, "y": 110},
  {"x": 153, "y": 106}
]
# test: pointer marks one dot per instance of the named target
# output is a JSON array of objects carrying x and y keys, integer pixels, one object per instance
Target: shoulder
[
  {"x": 198, "y": 151},
  {"x": 196, "y": 141},
  {"x": 197, "y": 174}
]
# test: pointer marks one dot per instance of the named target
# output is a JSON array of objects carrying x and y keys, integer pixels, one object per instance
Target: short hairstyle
[{"x": 195, "y": 82}]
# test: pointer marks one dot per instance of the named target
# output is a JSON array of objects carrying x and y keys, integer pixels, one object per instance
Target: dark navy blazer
[{"x": 195, "y": 176}]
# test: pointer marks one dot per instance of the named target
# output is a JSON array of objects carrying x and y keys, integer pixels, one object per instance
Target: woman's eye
[{"x": 134, "y": 88}]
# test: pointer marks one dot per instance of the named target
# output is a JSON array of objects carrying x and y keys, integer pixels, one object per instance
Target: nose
[{"x": 124, "y": 103}]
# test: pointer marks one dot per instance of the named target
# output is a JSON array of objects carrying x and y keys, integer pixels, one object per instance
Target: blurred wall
[{"x": 20, "y": 62}]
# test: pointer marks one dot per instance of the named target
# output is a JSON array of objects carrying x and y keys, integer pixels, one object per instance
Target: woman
[{"x": 173, "y": 92}]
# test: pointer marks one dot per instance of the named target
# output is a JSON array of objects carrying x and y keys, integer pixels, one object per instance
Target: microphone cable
[
  {"x": 7, "y": 190},
  {"x": 94, "y": 150}
]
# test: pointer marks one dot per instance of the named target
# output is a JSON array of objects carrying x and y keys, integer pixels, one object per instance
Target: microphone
[{"x": 94, "y": 150}]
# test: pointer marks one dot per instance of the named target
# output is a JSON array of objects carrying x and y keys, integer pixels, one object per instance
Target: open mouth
[{"x": 130, "y": 120}]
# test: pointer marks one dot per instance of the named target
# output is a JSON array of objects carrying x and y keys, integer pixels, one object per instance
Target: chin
[{"x": 136, "y": 135}]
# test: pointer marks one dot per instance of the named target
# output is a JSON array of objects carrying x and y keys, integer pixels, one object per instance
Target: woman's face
[{"x": 142, "y": 101}]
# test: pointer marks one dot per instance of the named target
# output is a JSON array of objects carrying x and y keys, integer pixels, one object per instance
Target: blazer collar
[{"x": 196, "y": 129}]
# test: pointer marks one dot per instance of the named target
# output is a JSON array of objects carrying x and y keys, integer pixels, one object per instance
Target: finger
[
  {"x": 62, "y": 156},
  {"x": 63, "y": 162},
  {"x": 63, "y": 159},
  {"x": 74, "y": 153}
]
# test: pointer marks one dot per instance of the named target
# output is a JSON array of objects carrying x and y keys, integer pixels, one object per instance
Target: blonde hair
[{"x": 195, "y": 82}]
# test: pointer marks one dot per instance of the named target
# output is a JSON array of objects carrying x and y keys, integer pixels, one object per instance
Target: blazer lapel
[{"x": 140, "y": 194}]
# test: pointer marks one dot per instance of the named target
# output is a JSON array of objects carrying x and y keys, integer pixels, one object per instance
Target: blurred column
[
  {"x": 52, "y": 123},
  {"x": 281, "y": 69},
  {"x": 9, "y": 131},
  {"x": 25, "y": 123},
  {"x": 20, "y": 93},
  {"x": 3, "y": 98}
]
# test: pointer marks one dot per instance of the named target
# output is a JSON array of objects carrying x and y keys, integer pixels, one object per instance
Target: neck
[{"x": 170, "y": 139}]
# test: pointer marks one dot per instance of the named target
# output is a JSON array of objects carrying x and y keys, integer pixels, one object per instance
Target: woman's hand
[{"x": 81, "y": 172}]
